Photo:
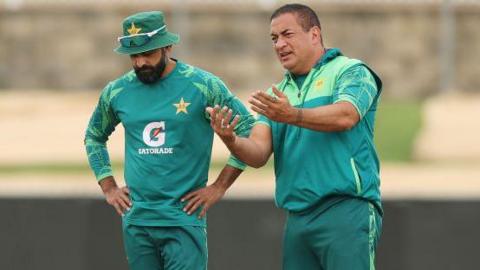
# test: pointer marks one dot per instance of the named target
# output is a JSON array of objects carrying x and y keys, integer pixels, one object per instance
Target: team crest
[
  {"x": 133, "y": 30},
  {"x": 181, "y": 106},
  {"x": 318, "y": 84}
]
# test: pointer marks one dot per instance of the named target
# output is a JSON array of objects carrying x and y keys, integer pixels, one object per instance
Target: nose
[
  {"x": 280, "y": 43},
  {"x": 138, "y": 60}
]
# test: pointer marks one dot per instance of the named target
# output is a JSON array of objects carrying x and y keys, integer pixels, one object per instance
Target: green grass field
[{"x": 396, "y": 126}]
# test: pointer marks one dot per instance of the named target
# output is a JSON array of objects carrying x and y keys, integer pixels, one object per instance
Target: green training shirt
[
  {"x": 312, "y": 166},
  {"x": 168, "y": 139}
]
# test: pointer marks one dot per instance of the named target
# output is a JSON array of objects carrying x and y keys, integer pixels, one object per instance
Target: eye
[{"x": 274, "y": 39}]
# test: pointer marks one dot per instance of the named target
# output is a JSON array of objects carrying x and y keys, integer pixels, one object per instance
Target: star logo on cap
[
  {"x": 181, "y": 106},
  {"x": 133, "y": 30}
]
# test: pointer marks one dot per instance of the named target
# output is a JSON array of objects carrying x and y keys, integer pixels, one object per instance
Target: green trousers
[
  {"x": 341, "y": 237},
  {"x": 165, "y": 248}
]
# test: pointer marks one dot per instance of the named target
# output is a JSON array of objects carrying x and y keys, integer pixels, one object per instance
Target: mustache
[{"x": 144, "y": 69}]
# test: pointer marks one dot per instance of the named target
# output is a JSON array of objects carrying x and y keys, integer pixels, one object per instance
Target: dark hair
[{"x": 306, "y": 17}]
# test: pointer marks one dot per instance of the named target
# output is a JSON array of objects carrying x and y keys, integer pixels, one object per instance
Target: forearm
[
  {"x": 101, "y": 124},
  {"x": 247, "y": 150},
  {"x": 107, "y": 183},
  {"x": 254, "y": 150},
  {"x": 329, "y": 118},
  {"x": 98, "y": 158},
  {"x": 205, "y": 197},
  {"x": 227, "y": 176}
]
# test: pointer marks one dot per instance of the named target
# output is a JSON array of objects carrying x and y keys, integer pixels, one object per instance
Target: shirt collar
[{"x": 329, "y": 55}]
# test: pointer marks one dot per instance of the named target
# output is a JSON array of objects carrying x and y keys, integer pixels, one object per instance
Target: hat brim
[{"x": 160, "y": 41}]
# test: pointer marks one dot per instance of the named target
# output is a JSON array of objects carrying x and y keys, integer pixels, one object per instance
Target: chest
[
  {"x": 316, "y": 90},
  {"x": 178, "y": 105}
]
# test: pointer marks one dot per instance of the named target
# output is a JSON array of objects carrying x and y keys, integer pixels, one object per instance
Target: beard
[{"x": 151, "y": 74}]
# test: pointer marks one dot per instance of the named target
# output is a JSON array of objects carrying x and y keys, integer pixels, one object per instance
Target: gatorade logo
[{"x": 154, "y": 134}]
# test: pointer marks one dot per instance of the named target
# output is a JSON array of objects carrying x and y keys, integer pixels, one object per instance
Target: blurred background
[{"x": 57, "y": 55}]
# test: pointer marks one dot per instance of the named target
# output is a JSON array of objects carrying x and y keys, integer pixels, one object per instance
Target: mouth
[
  {"x": 145, "y": 70},
  {"x": 284, "y": 55}
]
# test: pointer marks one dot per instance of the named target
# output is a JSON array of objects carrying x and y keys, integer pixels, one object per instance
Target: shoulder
[
  {"x": 357, "y": 69},
  {"x": 342, "y": 63},
  {"x": 113, "y": 88},
  {"x": 345, "y": 67},
  {"x": 360, "y": 71},
  {"x": 123, "y": 80},
  {"x": 198, "y": 75}
]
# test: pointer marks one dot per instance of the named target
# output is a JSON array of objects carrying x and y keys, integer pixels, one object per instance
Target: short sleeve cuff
[
  {"x": 236, "y": 163},
  {"x": 263, "y": 122},
  {"x": 351, "y": 101}
]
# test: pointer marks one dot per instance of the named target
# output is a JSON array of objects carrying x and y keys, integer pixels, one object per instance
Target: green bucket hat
[{"x": 145, "y": 31}]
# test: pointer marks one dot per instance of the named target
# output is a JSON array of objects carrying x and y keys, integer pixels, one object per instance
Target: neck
[
  {"x": 317, "y": 55},
  {"x": 169, "y": 67}
]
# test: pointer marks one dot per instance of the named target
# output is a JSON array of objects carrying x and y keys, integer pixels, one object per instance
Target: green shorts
[
  {"x": 341, "y": 237},
  {"x": 165, "y": 248}
]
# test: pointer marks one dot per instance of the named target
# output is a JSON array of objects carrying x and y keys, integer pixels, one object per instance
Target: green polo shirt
[{"x": 313, "y": 166}]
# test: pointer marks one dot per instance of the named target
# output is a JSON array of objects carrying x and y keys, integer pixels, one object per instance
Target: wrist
[
  {"x": 297, "y": 116},
  {"x": 221, "y": 186},
  {"x": 230, "y": 141},
  {"x": 108, "y": 184}
]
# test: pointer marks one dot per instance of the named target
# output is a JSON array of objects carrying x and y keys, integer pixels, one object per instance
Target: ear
[
  {"x": 316, "y": 34},
  {"x": 168, "y": 50}
]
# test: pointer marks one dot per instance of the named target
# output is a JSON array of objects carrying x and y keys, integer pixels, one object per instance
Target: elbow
[
  {"x": 257, "y": 164},
  {"x": 253, "y": 154},
  {"x": 90, "y": 139},
  {"x": 346, "y": 123},
  {"x": 348, "y": 117},
  {"x": 349, "y": 123},
  {"x": 86, "y": 139},
  {"x": 348, "y": 120}
]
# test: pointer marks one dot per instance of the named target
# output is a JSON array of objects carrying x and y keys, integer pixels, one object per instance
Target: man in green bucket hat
[{"x": 168, "y": 141}]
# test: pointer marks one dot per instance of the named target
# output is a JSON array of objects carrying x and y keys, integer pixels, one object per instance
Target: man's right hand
[
  {"x": 220, "y": 122},
  {"x": 115, "y": 196},
  {"x": 119, "y": 199}
]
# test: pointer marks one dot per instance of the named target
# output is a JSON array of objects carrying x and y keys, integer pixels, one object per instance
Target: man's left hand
[
  {"x": 276, "y": 107},
  {"x": 204, "y": 197}
]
